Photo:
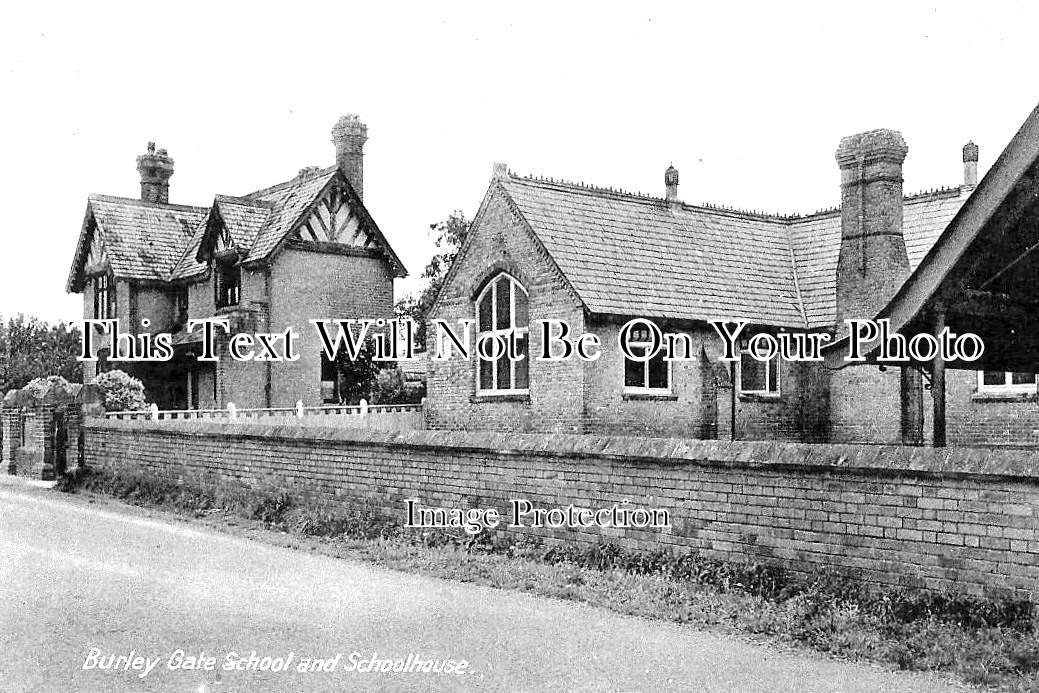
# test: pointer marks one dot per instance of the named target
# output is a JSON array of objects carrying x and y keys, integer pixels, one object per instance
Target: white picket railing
[{"x": 330, "y": 415}]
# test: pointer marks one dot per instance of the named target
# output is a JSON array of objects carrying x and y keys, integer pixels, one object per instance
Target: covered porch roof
[{"x": 982, "y": 274}]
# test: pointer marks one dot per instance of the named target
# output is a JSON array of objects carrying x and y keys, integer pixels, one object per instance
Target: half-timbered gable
[{"x": 333, "y": 220}]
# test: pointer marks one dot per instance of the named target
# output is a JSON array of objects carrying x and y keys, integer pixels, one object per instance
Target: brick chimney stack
[
  {"x": 349, "y": 136},
  {"x": 155, "y": 168},
  {"x": 671, "y": 184},
  {"x": 970, "y": 164},
  {"x": 873, "y": 263}
]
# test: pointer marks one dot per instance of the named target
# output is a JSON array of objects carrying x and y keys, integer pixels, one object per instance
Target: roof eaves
[
  {"x": 380, "y": 236},
  {"x": 74, "y": 283}
]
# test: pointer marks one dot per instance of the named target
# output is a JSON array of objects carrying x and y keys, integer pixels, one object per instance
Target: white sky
[{"x": 749, "y": 102}]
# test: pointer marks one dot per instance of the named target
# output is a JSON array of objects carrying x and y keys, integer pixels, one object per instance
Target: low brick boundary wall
[{"x": 964, "y": 519}]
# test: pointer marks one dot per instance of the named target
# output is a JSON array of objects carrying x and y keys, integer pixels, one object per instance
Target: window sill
[
  {"x": 482, "y": 397},
  {"x": 1004, "y": 397},
  {"x": 650, "y": 396},
  {"x": 759, "y": 397}
]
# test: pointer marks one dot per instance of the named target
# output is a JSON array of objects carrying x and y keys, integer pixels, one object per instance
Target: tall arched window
[{"x": 501, "y": 311}]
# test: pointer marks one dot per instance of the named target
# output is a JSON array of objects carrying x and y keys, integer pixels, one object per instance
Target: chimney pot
[
  {"x": 671, "y": 184},
  {"x": 155, "y": 168},
  {"x": 970, "y": 164},
  {"x": 349, "y": 135}
]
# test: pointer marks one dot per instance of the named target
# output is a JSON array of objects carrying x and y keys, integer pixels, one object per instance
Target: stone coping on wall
[{"x": 883, "y": 460}]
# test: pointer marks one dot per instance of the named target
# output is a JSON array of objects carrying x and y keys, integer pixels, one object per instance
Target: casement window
[
  {"x": 652, "y": 377},
  {"x": 228, "y": 283},
  {"x": 1006, "y": 382},
  {"x": 501, "y": 312},
  {"x": 103, "y": 364},
  {"x": 104, "y": 297},
  {"x": 193, "y": 385},
  {"x": 329, "y": 381},
  {"x": 181, "y": 301},
  {"x": 758, "y": 377}
]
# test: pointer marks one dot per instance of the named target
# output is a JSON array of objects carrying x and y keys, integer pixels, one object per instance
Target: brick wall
[
  {"x": 979, "y": 418},
  {"x": 966, "y": 520},
  {"x": 28, "y": 437},
  {"x": 865, "y": 405},
  {"x": 153, "y": 304},
  {"x": 309, "y": 286},
  {"x": 610, "y": 410},
  {"x": 303, "y": 286}
]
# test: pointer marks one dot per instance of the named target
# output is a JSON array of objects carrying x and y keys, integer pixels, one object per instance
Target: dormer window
[{"x": 228, "y": 281}]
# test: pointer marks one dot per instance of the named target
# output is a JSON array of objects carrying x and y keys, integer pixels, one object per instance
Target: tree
[
  {"x": 451, "y": 233},
  {"x": 357, "y": 377},
  {"x": 31, "y": 348}
]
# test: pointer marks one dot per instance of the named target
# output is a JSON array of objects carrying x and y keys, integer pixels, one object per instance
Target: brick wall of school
[
  {"x": 588, "y": 397},
  {"x": 985, "y": 418},
  {"x": 964, "y": 520},
  {"x": 865, "y": 405},
  {"x": 557, "y": 388},
  {"x": 610, "y": 410}
]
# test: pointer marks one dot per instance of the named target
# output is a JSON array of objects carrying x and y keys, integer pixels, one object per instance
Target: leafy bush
[
  {"x": 389, "y": 386},
  {"x": 122, "y": 392},
  {"x": 50, "y": 387}
]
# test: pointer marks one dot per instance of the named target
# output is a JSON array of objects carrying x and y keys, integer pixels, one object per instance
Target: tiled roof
[
  {"x": 287, "y": 202},
  {"x": 816, "y": 241},
  {"x": 143, "y": 240},
  {"x": 188, "y": 265},
  {"x": 244, "y": 218},
  {"x": 162, "y": 241},
  {"x": 628, "y": 254}
]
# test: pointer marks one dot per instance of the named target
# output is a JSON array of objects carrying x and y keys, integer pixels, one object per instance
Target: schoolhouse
[
  {"x": 302, "y": 249},
  {"x": 597, "y": 258}
]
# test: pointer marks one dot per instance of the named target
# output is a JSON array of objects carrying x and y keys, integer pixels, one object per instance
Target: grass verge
[{"x": 990, "y": 643}]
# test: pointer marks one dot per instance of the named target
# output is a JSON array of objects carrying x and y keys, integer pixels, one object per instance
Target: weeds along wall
[{"x": 965, "y": 520}]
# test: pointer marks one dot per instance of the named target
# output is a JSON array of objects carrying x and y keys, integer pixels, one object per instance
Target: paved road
[{"x": 75, "y": 579}]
